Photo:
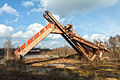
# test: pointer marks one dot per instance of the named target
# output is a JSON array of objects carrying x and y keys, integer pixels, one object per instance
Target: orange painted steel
[
  {"x": 42, "y": 31},
  {"x": 22, "y": 47},
  {"x": 36, "y": 35},
  {"x": 15, "y": 52},
  {"x": 30, "y": 41},
  {"x": 48, "y": 26}
]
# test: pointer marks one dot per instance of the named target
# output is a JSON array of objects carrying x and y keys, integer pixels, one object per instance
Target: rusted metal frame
[
  {"x": 56, "y": 30},
  {"x": 84, "y": 41},
  {"x": 74, "y": 35},
  {"x": 53, "y": 20},
  {"x": 94, "y": 51},
  {"x": 97, "y": 50},
  {"x": 71, "y": 43},
  {"x": 84, "y": 44},
  {"x": 81, "y": 48},
  {"x": 47, "y": 18},
  {"x": 80, "y": 40},
  {"x": 77, "y": 47},
  {"x": 89, "y": 51},
  {"x": 87, "y": 43},
  {"x": 84, "y": 51}
]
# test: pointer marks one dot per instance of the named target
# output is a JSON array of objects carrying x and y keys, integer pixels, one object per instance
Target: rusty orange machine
[{"x": 80, "y": 45}]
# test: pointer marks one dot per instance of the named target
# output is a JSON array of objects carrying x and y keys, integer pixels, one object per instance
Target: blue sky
[{"x": 92, "y": 19}]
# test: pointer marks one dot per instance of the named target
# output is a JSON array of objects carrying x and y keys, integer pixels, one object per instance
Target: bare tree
[
  {"x": 8, "y": 48},
  {"x": 113, "y": 42}
]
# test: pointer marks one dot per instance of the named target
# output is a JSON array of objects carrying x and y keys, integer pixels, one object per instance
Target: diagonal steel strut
[{"x": 54, "y": 21}]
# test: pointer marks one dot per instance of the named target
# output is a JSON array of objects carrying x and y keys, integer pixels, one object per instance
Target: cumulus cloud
[
  {"x": 20, "y": 37},
  {"x": 93, "y": 37},
  {"x": 30, "y": 31},
  {"x": 57, "y": 17},
  {"x": 8, "y": 9},
  {"x": 34, "y": 10},
  {"x": 74, "y": 6},
  {"x": 51, "y": 43},
  {"x": 98, "y": 37},
  {"x": 54, "y": 42},
  {"x": 5, "y": 31},
  {"x": 27, "y": 3},
  {"x": 54, "y": 36}
]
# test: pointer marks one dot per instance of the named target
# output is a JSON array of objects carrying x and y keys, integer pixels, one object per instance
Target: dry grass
[{"x": 83, "y": 70}]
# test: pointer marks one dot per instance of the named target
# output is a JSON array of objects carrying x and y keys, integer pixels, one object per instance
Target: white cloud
[
  {"x": 86, "y": 36},
  {"x": 5, "y": 31},
  {"x": 58, "y": 18},
  {"x": 61, "y": 20},
  {"x": 34, "y": 10},
  {"x": 27, "y": 3},
  {"x": 12, "y": 21},
  {"x": 30, "y": 31},
  {"x": 96, "y": 37},
  {"x": 54, "y": 42},
  {"x": 20, "y": 37},
  {"x": 74, "y": 6},
  {"x": 8, "y": 9},
  {"x": 51, "y": 44},
  {"x": 54, "y": 36},
  {"x": 35, "y": 27}
]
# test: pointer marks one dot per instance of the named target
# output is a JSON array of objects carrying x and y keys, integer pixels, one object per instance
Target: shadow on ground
[{"x": 13, "y": 70}]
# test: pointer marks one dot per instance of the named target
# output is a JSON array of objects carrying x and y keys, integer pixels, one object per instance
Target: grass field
[{"x": 60, "y": 69}]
